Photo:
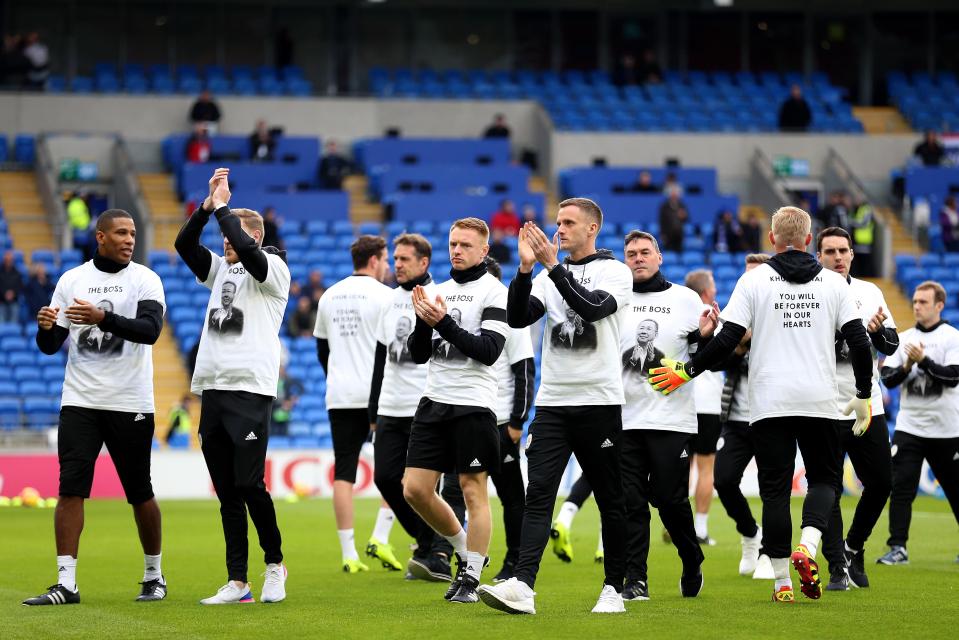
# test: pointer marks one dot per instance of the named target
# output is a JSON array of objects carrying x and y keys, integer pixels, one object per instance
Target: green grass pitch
[{"x": 916, "y": 601}]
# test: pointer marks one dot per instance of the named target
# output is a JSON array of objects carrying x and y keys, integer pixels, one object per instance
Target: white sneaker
[
  {"x": 764, "y": 569},
  {"x": 274, "y": 583},
  {"x": 231, "y": 594},
  {"x": 511, "y": 596},
  {"x": 609, "y": 601},
  {"x": 751, "y": 546}
]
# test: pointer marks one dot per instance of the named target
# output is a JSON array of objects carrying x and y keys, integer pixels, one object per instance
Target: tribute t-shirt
[
  {"x": 580, "y": 358},
  {"x": 518, "y": 347},
  {"x": 657, "y": 325},
  {"x": 105, "y": 371},
  {"x": 347, "y": 317},
  {"x": 240, "y": 343},
  {"x": 792, "y": 362}
]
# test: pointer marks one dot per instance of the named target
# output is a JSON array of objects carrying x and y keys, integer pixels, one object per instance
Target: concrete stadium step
[
  {"x": 361, "y": 209},
  {"x": 170, "y": 381},
  {"x": 902, "y": 240},
  {"x": 23, "y": 210},
  {"x": 538, "y": 184},
  {"x": 878, "y": 120}
]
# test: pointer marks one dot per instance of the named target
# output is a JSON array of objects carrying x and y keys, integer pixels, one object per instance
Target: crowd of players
[{"x": 442, "y": 375}]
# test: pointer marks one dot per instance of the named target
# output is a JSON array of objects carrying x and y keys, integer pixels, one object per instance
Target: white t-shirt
[
  {"x": 708, "y": 389},
  {"x": 868, "y": 299},
  {"x": 928, "y": 408},
  {"x": 452, "y": 377},
  {"x": 739, "y": 403},
  {"x": 403, "y": 379},
  {"x": 240, "y": 344},
  {"x": 792, "y": 362},
  {"x": 656, "y": 325},
  {"x": 105, "y": 371},
  {"x": 347, "y": 317},
  {"x": 518, "y": 347},
  {"x": 581, "y": 359}
]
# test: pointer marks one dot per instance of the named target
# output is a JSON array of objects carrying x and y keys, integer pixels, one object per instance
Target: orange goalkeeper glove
[{"x": 671, "y": 376}]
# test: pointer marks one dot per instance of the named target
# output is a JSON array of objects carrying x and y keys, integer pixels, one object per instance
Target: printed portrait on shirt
[
  {"x": 398, "y": 350},
  {"x": 923, "y": 385},
  {"x": 94, "y": 341},
  {"x": 226, "y": 319},
  {"x": 644, "y": 354},
  {"x": 573, "y": 333},
  {"x": 443, "y": 350}
]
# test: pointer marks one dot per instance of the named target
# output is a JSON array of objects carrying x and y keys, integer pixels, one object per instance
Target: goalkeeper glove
[
  {"x": 671, "y": 376},
  {"x": 863, "y": 409}
]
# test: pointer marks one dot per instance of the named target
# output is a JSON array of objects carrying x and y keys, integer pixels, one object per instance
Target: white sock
[
  {"x": 566, "y": 514},
  {"x": 474, "y": 564},
  {"x": 384, "y": 524},
  {"x": 347, "y": 545},
  {"x": 810, "y": 538},
  {"x": 700, "y": 523},
  {"x": 151, "y": 567},
  {"x": 781, "y": 572},
  {"x": 599, "y": 545},
  {"x": 458, "y": 540},
  {"x": 67, "y": 572}
]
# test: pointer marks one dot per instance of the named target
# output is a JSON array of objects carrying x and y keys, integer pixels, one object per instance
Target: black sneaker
[
  {"x": 57, "y": 594},
  {"x": 152, "y": 590},
  {"x": 466, "y": 593},
  {"x": 458, "y": 579},
  {"x": 691, "y": 584},
  {"x": 895, "y": 555},
  {"x": 857, "y": 569},
  {"x": 838, "y": 579},
  {"x": 506, "y": 572},
  {"x": 432, "y": 568},
  {"x": 636, "y": 591}
]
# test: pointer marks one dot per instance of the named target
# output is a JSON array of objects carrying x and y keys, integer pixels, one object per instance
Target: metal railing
[
  {"x": 46, "y": 175},
  {"x": 128, "y": 195},
  {"x": 765, "y": 188}
]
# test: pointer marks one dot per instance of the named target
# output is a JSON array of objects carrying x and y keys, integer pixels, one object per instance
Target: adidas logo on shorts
[
  {"x": 251, "y": 436},
  {"x": 139, "y": 417},
  {"x": 475, "y": 463},
  {"x": 606, "y": 444},
  {"x": 508, "y": 458},
  {"x": 683, "y": 455}
]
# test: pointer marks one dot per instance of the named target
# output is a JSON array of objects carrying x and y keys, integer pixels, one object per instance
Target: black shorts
[
  {"x": 704, "y": 442},
  {"x": 466, "y": 443},
  {"x": 129, "y": 437},
  {"x": 350, "y": 428}
]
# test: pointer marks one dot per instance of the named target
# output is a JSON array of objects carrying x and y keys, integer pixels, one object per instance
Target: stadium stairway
[
  {"x": 170, "y": 378},
  {"x": 24, "y": 212},
  {"x": 361, "y": 208},
  {"x": 881, "y": 120},
  {"x": 538, "y": 184}
]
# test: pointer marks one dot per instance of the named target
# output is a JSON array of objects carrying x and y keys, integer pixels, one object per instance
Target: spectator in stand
[
  {"x": 626, "y": 73},
  {"x": 752, "y": 234},
  {"x": 11, "y": 288},
  {"x": 498, "y": 249},
  {"x": 179, "y": 419},
  {"x": 836, "y": 213},
  {"x": 314, "y": 287},
  {"x": 530, "y": 215},
  {"x": 649, "y": 71},
  {"x": 283, "y": 49},
  {"x": 863, "y": 228},
  {"x": 506, "y": 219},
  {"x": 673, "y": 186},
  {"x": 949, "y": 221},
  {"x": 303, "y": 318},
  {"x": 38, "y": 291},
  {"x": 672, "y": 216},
  {"x": 644, "y": 183},
  {"x": 39, "y": 57},
  {"x": 198, "y": 145},
  {"x": 288, "y": 392},
  {"x": 930, "y": 151},
  {"x": 333, "y": 168},
  {"x": 271, "y": 229},
  {"x": 262, "y": 143},
  {"x": 205, "y": 111},
  {"x": 498, "y": 129},
  {"x": 794, "y": 113},
  {"x": 728, "y": 235},
  {"x": 80, "y": 221},
  {"x": 14, "y": 65}
]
